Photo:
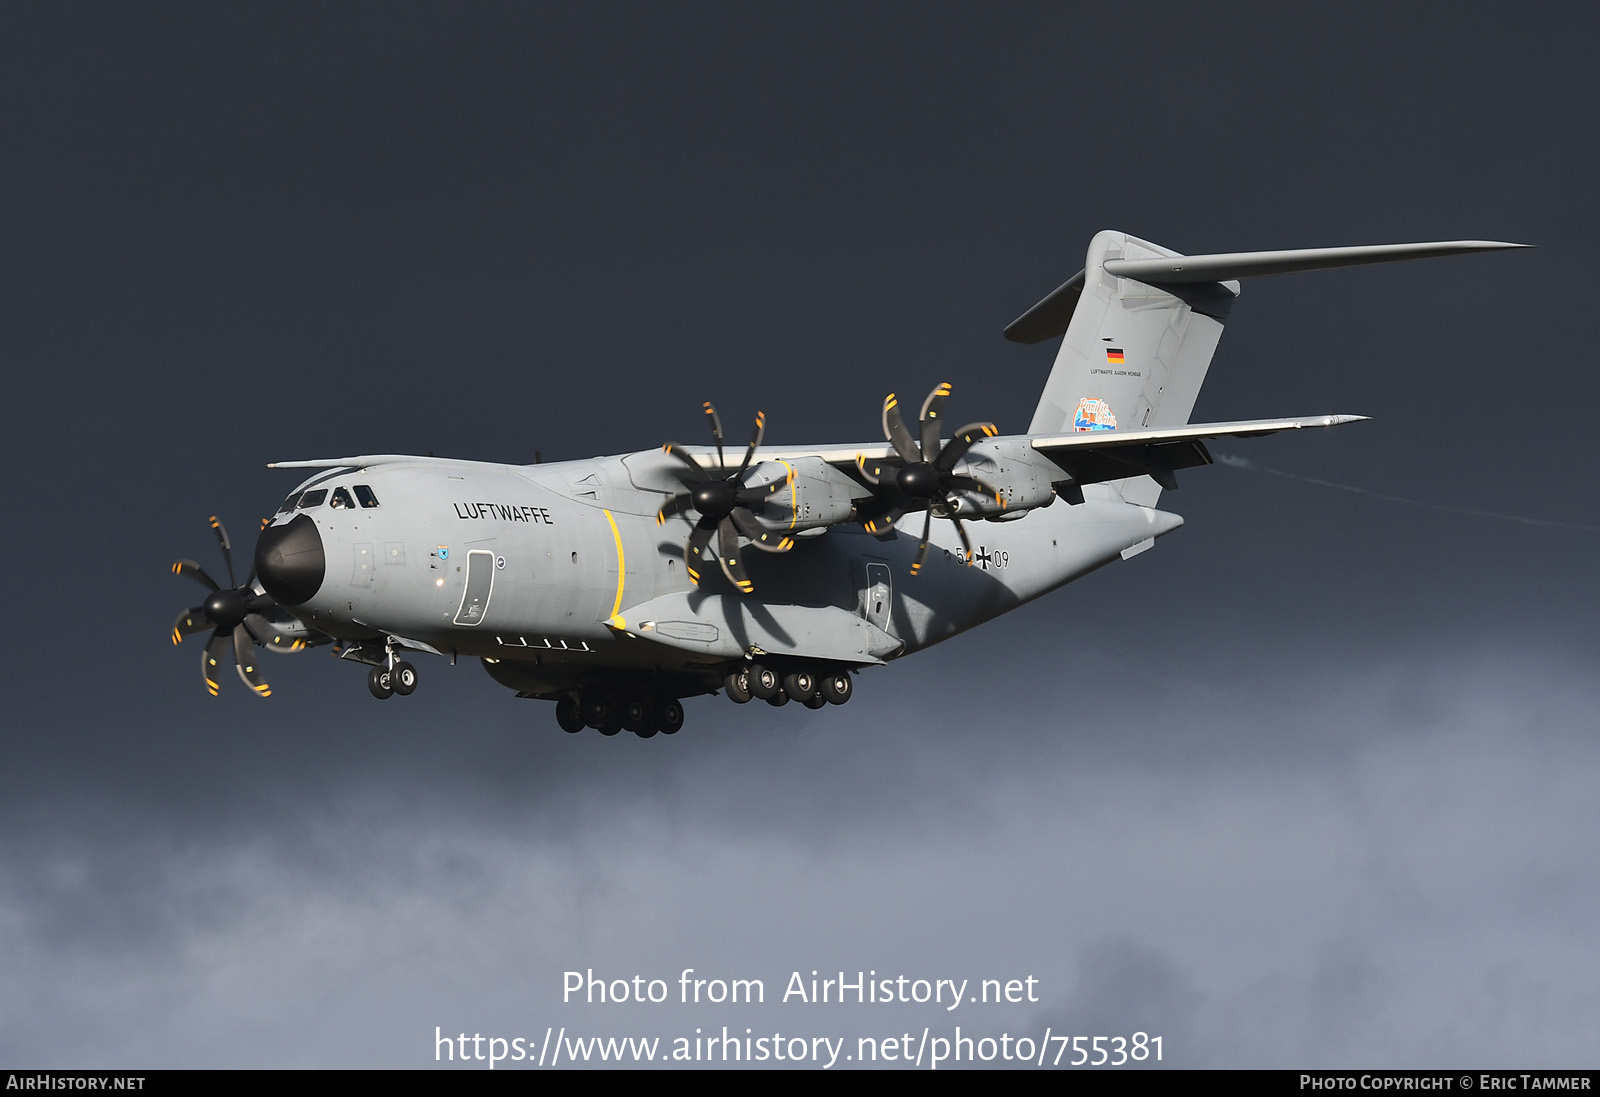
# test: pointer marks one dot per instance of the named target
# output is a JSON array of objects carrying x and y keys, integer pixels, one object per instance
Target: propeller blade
[
  {"x": 244, "y": 658},
  {"x": 189, "y": 622},
  {"x": 694, "y": 549},
  {"x": 932, "y": 410},
  {"x": 701, "y": 537},
  {"x": 716, "y": 431},
  {"x": 673, "y": 449},
  {"x": 965, "y": 437},
  {"x": 266, "y": 634},
  {"x": 195, "y": 572},
  {"x": 754, "y": 497},
  {"x": 872, "y": 475},
  {"x": 227, "y": 550},
  {"x": 773, "y": 542},
  {"x": 894, "y": 429},
  {"x": 764, "y": 539},
  {"x": 922, "y": 549},
  {"x": 755, "y": 441},
  {"x": 966, "y": 542},
  {"x": 728, "y": 556},
  {"x": 884, "y": 522},
  {"x": 673, "y": 506},
  {"x": 210, "y": 659}
]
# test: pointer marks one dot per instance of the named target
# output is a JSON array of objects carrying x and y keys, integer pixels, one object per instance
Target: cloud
[{"x": 1406, "y": 883}]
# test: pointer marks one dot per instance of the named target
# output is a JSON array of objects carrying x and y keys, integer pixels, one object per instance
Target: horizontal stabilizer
[
  {"x": 1098, "y": 457},
  {"x": 1181, "y": 269},
  {"x": 1244, "y": 428}
]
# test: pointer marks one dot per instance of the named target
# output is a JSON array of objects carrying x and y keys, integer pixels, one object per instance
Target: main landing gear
[
  {"x": 646, "y": 715},
  {"x": 814, "y": 689},
  {"x": 609, "y": 713}
]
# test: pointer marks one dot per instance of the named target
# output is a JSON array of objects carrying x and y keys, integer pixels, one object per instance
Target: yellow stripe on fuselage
[
  {"x": 794, "y": 504},
  {"x": 622, "y": 571}
]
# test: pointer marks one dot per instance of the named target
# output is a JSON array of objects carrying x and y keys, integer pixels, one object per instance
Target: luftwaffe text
[{"x": 506, "y": 512}]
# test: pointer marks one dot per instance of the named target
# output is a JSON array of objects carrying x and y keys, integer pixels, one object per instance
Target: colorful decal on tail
[{"x": 1093, "y": 414}]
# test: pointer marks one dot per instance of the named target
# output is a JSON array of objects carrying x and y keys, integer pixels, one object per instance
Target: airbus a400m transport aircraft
[{"x": 586, "y": 582}]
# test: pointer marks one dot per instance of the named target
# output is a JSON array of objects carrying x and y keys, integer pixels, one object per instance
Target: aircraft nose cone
[{"x": 290, "y": 561}]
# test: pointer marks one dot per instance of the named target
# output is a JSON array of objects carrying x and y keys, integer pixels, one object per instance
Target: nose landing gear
[
  {"x": 384, "y": 680},
  {"x": 390, "y": 674}
]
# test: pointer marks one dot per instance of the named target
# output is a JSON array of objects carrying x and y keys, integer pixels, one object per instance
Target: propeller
[
  {"x": 926, "y": 478},
  {"x": 725, "y": 506},
  {"x": 234, "y": 616}
]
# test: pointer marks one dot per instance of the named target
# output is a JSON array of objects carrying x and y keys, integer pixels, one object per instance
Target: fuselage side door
[
  {"x": 877, "y": 595},
  {"x": 480, "y": 584}
]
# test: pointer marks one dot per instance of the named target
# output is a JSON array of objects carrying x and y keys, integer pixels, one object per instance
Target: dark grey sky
[{"x": 1311, "y": 783}]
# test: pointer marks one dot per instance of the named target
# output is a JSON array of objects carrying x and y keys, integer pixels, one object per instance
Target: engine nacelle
[
  {"x": 1020, "y": 474},
  {"x": 816, "y": 495}
]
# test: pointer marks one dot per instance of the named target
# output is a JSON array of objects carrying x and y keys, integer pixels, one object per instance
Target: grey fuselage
[{"x": 553, "y": 574}]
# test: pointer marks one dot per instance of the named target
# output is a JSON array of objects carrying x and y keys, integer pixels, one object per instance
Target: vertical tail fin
[
  {"x": 1141, "y": 323},
  {"x": 1134, "y": 355}
]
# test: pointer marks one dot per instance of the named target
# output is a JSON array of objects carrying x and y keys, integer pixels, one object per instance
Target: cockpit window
[
  {"x": 341, "y": 499},
  {"x": 288, "y": 504},
  {"x": 364, "y": 493},
  {"x": 313, "y": 498}
]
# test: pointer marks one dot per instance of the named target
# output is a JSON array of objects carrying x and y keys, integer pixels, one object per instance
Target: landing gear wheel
[
  {"x": 778, "y": 700},
  {"x": 801, "y": 685},
  {"x": 403, "y": 678},
  {"x": 380, "y": 683},
  {"x": 669, "y": 716},
  {"x": 600, "y": 712},
  {"x": 638, "y": 716},
  {"x": 836, "y": 688},
  {"x": 737, "y": 686},
  {"x": 763, "y": 682},
  {"x": 816, "y": 700},
  {"x": 569, "y": 716}
]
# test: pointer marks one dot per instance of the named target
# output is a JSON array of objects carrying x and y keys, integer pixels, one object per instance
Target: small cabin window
[
  {"x": 313, "y": 498},
  {"x": 341, "y": 500},
  {"x": 365, "y": 496}
]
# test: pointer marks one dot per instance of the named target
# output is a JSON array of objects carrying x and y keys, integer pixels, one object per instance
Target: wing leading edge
[{"x": 1078, "y": 442}]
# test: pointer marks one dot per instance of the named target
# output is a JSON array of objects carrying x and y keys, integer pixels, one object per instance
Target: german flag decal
[{"x": 1113, "y": 356}]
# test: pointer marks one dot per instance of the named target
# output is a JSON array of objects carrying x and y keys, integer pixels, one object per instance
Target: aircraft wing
[
  {"x": 1088, "y": 457},
  {"x": 1075, "y": 444}
]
